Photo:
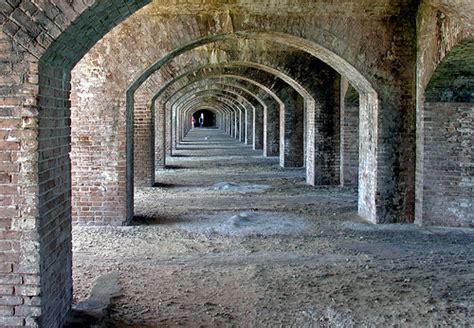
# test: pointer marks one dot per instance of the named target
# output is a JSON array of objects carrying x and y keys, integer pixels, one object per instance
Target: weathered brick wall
[
  {"x": 20, "y": 260},
  {"x": 98, "y": 157},
  {"x": 448, "y": 148},
  {"x": 35, "y": 250}
]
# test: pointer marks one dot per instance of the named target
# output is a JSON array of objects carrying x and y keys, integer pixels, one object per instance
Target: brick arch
[
  {"x": 218, "y": 105},
  {"x": 187, "y": 107},
  {"x": 232, "y": 96},
  {"x": 370, "y": 182},
  {"x": 259, "y": 91},
  {"x": 183, "y": 100},
  {"x": 253, "y": 115},
  {"x": 313, "y": 48},
  {"x": 163, "y": 130},
  {"x": 264, "y": 88},
  {"x": 444, "y": 190},
  {"x": 292, "y": 145},
  {"x": 228, "y": 100},
  {"x": 216, "y": 114},
  {"x": 59, "y": 33}
]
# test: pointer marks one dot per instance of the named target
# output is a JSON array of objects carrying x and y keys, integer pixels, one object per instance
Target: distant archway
[{"x": 205, "y": 118}]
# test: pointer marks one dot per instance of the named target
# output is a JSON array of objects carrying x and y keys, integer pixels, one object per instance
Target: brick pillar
[
  {"x": 323, "y": 134},
  {"x": 35, "y": 202},
  {"x": 349, "y": 164},
  {"x": 236, "y": 122},
  {"x": 99, "y": 181},
  {"x": 258, "y": 127},
  {"x": 170, "y": 143},
  {"x": 291, "y": 128},
  {"x": 271, "y": 127},
  {"x": 249, "y": 125},
  {"x": 242, "y": 124},
  {"x": 229, "y": 123},
  {"x": 160, "y": 133},
  {"x": 144, "y": 146}
]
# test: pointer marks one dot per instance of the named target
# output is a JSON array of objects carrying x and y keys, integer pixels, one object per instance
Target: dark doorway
[{"x": 206, "y": 117}]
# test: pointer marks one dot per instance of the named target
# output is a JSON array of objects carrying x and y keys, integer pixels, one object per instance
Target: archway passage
[
  {"x": 372, "y": 45},
  {"x": 205, "y": 118}
]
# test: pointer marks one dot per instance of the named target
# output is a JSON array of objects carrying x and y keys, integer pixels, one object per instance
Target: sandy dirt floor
[{"x": 227, "y": 238}]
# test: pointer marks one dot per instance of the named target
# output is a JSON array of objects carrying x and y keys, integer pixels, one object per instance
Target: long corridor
[{"x": 228, "y": 238}]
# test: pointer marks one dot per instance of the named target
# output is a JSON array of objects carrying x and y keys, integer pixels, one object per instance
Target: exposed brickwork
[
  {"x": 444, "y": 127},
  {"x": 40, "y": 41},
  {"x": 271, "y": 128},
  {"x": 160, "y": 135},
  {"x": 448, "y": 148},
  {"x": 349, "y": 165},
  {"x": 291, "y": 131},
  {"x": 257, "y": 123},
  {"x": 35, "y": 232},
  {"x": 54, "y": 195},
  {"x": 144, "y": 147}
]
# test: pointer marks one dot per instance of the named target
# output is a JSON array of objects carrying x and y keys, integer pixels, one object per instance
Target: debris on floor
[{"x": 293, "y": 256}]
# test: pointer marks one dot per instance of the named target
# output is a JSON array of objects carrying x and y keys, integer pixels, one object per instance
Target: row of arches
[{"x": 114, "y": 94}]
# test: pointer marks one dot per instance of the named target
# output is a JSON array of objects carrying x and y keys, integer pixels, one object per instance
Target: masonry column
[
  {"x": 291, "y": 128},
  {"x": 242, "y": 123},
  {"x": 170, "y": 144},
  {"x": 232, "y": 124},
  {"x": 258, "y": 127},
  {"x": 323, "y": 134},
  {"x": 236, "y": 124},
  {"x": 271, "y": 127},
  {"x": 159, "y": 135},
  {"x": 144, "y": 146},
  {"x": 349, "y": 165},
  {"x": 249, "y": 125}
]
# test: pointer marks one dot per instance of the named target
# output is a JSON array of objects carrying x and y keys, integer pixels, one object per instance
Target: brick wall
[
  {"x": 98, "y": 159},
  {"x": 448, "y": 147}
]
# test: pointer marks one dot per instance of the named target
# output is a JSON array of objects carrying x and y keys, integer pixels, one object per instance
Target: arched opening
[
  {"x": 204, "y": 118},
  {"x": 369, "y": 107},
  {"x": 445, "y": 145}
]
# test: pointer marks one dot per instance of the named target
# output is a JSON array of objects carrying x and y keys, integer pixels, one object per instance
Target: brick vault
[{"x": 96, "y": 95}]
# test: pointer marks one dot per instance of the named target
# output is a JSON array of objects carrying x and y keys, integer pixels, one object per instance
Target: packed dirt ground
[{"x": 227, "y": 238}]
